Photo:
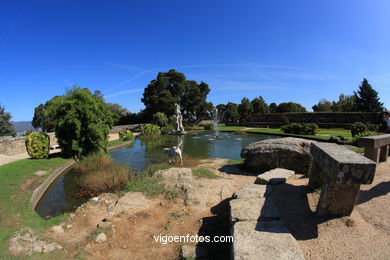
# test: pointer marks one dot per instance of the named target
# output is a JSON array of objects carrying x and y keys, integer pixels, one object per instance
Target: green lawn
[
  {"x": 17, "y": 183},
  {"x": 15, "y": 196},
  {"x": 323, "y": 134}
]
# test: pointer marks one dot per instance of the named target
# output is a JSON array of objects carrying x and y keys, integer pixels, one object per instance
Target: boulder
[
  {"x": 250, "y": 191},
  {"x": 193, "y": 252},
  {"x": 264, "y": 240},
  {"x": 275, "y": 176},
  {"x": 288, "y": 153}
]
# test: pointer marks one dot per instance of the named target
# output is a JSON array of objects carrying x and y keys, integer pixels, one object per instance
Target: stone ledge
[
  {"x": 264, "y": 240},
  {"x": 253, "y": 210},
  {"x": 251, "y": 191},
  {"x": 275, "y": 176},
  {"x": 374, "y": 141}
]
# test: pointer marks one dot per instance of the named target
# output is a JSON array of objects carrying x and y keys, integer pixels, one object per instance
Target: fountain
[{"x": 216, "y": 121}]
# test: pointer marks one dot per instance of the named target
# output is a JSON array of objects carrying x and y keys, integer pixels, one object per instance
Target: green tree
[
  {"x": 118, "y": 112},
  {"x": 6, "y": 128},
  {"x": 367, "y": 99},
  {"x": 323, "y": 106},
  {"x": 230, "y": 113},
  {"x": 245, "y": 109},
  {"x": 172, "y": 87},
  {"x": 41, "y": 118},
  {"x": 345, "y": 103},
  {"x": 82, "y": 122},
  {"x": 290, "y": 107},
  {"x": 160, "y": 119},
  {"x": 273, "y": 108},
  {"x": 259, "y": 105}
]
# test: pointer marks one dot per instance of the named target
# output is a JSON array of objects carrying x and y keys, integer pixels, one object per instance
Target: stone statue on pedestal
[{"x": 178, "y": 127}]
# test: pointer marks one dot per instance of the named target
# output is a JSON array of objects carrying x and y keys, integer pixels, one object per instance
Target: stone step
[
  {"x": 264, "y": 240},
  {"x": 251, "y": 190},
  {"x": 253, "y": 210},
  {"x": 275, "y": 176}
]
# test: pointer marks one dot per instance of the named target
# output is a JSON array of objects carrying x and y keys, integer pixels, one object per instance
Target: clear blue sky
[{"x": 299, "y": 51}]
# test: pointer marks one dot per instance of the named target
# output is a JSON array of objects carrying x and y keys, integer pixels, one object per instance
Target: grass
[
  {"x": 322, "y": 135},
  {"x": 14, "y": 202},
  {"x": 204, "y": 173},
  {"x": 117, "y": 142},
  {"x": 15, "y": 212}
]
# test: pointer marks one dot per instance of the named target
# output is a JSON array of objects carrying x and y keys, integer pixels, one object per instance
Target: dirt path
[{"x": 363, "y": 235}]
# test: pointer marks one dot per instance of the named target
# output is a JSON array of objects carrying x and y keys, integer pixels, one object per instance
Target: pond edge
[{"x": 41, "y": 190}]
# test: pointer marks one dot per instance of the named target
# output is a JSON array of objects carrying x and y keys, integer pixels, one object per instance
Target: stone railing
[
  {"x": 376, "y": 147},
  {"x": 339, "y": 173}
]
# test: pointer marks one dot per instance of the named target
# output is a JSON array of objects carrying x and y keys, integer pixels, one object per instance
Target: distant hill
[{"x": 22, "y": 126}]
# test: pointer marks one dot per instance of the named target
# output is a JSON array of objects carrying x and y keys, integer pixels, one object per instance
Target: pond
[{"x": 64, "y": 194}]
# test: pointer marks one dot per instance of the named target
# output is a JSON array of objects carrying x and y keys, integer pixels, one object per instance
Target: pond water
[{"x": 64, "y": 194}]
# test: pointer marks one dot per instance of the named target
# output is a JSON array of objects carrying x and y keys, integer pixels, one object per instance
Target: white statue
[{"x": 178, "y": 128}]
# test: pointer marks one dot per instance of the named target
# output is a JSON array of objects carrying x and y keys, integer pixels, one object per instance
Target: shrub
[
  {"x": 296, "y": 128},
  {"x": 126, "y": 135},
  {"x": 38, "y": 145},
  {"x": 358, "y": 128},
  {"x": 338, "y": 139},
  {"x": 150, "y": 130},
  {"x": 167, "y": 129},
  {"x": 208, "y": 127},
  {"x": 160, "y": 119},
  {"x": 99, "y": 173}
]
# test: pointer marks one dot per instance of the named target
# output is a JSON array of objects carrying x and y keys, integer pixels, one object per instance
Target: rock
[
  {"x": 40, "y": 173},
  {"x": 264, "y": 240},
  {"x": 95, "y": 199},
  {"x": 101, "y": 238},
  {"x": 253, "y": 210},
  {"x": 130, "y": 203},
  {"x": 57, "y": 229},
  {"x": 69, "y": 226},
  {"x": 193, "y": 252},
  {"x": 179, "y": 179},
  {"x": 275, "y": 176},
  {"x": 289, "y": 153},
  {"x": 250, "y": 191},
  {"x": 25, "y": 242}
]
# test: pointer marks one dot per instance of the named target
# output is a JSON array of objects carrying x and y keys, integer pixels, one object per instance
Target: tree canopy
[
  {"x": 367, "y": 99},
  {"x": 42, "y": 119},
  {"x": 172, "y": 87},
  {"x": 6, "y": 128},
  {"x": 82, "y": 122},
  {"x": 259, "y": 105},
  {"x": 290, "y": 107},
  {"x": 323, "y": 106},
  {"x": 245, "y": 108}
]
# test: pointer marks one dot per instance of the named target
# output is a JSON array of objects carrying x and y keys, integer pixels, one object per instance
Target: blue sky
[{"x": 299, "y": 51}]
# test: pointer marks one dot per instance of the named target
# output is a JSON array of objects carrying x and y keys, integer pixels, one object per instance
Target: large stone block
[
  {"x": 264, "y": 240},
  {"x": 342, "y": 165},
  {"x": 253, "y": 210},
  {"x": 252, "y": 191},
  {"x": 288, "y": 153},
  {"x": 275, "y": 176},
  {"x": 374, "y": 141}
]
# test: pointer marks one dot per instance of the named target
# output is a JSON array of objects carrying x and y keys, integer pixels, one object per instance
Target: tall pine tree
[
  {"x": 367, "y": 99},
  {"x": 6, "y": 128}
]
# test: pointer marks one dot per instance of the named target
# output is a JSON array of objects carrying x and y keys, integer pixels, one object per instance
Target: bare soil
[{"x": 363, "y": 235}]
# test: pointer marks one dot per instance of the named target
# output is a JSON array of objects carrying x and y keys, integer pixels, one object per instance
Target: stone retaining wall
[{"x": 14, "y": 145}]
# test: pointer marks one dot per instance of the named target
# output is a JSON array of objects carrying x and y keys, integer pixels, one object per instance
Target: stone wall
[
  {"x": 14, "y": 145},
  {"x": 323, "y": 120}
]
